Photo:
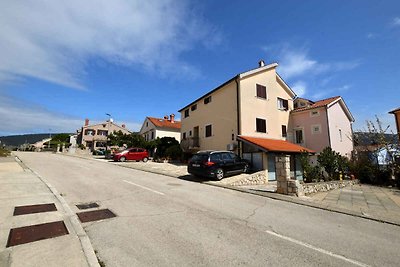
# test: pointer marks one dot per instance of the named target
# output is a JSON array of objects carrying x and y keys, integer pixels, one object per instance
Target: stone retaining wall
[
  {"x": 258, "y": 178},
  {"x": 311, "y": 188}
]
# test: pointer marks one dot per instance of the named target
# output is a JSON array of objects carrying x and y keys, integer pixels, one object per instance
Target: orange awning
[{"x": 274, "y": 145}]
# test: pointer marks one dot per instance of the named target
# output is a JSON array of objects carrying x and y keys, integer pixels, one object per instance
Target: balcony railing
[{"x": 190, "y": 144}]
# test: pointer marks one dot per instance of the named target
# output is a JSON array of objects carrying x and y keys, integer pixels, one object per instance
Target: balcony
[{"x": 190, "y": 144}]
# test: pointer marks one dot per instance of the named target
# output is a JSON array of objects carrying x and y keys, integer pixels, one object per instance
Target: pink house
[{"x": 323, "y": 123}]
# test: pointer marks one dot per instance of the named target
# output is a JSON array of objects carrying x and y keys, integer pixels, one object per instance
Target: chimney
[
  {"x": 166, "y": 117},
  {"x": 261, "y": 63},
  {"x": 123, "y": 125},
  {"x": 172, "y": 118},
  {"x": 86, "y": 122}
]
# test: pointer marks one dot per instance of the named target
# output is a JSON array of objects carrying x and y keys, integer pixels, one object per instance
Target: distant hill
[
  {"x": 366, "y": 139},
  {"x": 17, "y": 140}
]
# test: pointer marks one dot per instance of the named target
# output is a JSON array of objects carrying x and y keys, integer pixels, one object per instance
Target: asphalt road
[{"x": 166, "y": 221}]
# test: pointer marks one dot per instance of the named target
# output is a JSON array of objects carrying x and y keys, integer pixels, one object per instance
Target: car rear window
[
  {"x": 200, "y": 157},
  {"x": 215, "y": 157}
]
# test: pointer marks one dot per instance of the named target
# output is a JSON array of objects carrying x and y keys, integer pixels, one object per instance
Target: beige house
[
  {"x": 95, "y": 136},
  {"x": 153, "y": 128},
  {"x": 320, "y": 124},
  {"x": 248, "y": 114}
]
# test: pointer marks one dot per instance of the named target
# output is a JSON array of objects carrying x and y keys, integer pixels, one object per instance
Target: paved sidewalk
[
  {"x": 21, "y": 187},
  {"x": 371, "y": 201}
]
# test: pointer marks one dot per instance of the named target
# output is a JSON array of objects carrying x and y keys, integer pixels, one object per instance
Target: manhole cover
[
  {"x": 89, "y": 216},
  {"x": 36, "y": 232},
  {"x": 21, "y": 210},
  {"x": 87, "y": 206}
]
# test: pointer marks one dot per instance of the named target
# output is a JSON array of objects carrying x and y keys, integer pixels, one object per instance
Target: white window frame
[
  {"x": 313, "y": 129},
  {"x": 302, "y": 133},
  {"x": 316, "y": 113}
]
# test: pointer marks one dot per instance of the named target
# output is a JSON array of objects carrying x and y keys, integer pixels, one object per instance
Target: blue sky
[{"x": 64, "y": 61}]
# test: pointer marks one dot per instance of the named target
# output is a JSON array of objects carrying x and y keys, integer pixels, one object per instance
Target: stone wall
[
  {"x": 311, "y": 188},
  {"x": 257, "y": 178}
]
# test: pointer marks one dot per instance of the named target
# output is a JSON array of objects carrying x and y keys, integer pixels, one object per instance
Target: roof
[
  {"x": 274, "y": 145},
  {"x": 394, "y": 111},
  {"x": 319, "y": 104},
  {"x": 328, "y": 102},
  {"x": 242, "y": 76},
  {"x": 165, "y": 123},
  {"x": 106, "y": 123}
]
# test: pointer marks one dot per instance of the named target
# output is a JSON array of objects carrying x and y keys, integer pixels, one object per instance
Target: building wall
[
  {"x": 340, "y": 130},
  {"x": 397, "y": 117},
  {"x": 306, "y": 121},
  {"x": 106, "y": 126},
  {"x": 221, "y": 113},
  {"x": 253, "y": 107}
]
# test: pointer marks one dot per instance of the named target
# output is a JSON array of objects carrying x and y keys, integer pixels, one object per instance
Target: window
[
  {"x": 261, "y": 91},
  {"x": 340, "y": 135},
  {"x": 284, "y": 131},
  {"x": 233, "y": 137},
  {"x": 314, "y": 113},
  {"x": 316, "y": 129},
  {"x": 299, "y": 136},
  {"x": 184, "y": 136},
  {"x": 208, "y": 130},
  {"x": 89, "y": 132},
  {"x": 152, "y": 135},
  {"x": 190, "y": 133},
  {"x": 283, "y": 104},
  {"x": 102, "y": 132},
  {"x": 261, "y": 125},
  {"x": 186, "y": 113},
  {"x": 147, "y": 124},
  {"x": 194, "y": 107},
  {"x": 207, "y": 100}
]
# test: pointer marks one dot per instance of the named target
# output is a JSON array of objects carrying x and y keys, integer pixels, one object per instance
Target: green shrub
[
  {"x": 4, "y": 152},
  {"x": 174, "y": 152}
]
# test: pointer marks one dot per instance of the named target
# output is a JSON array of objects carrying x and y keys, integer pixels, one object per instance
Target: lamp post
[{"x": 108, "y": 129}]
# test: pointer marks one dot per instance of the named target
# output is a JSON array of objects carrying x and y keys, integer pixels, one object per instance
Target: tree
[
  {"x": 328, "y": 159},
  {"x": 163, "y": 144}
]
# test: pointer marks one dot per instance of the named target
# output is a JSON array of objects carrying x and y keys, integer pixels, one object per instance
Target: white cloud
[
  {"x": 300, "y": 88},
  {"x": 55, "y": 41},
  {"x": 329, "y": 92},
  {"x": 396, "y": 21},
  {"x": 19, "y": 118},
  {"x": 371, "y": 35},
  {"x": 295, "y": 62}
]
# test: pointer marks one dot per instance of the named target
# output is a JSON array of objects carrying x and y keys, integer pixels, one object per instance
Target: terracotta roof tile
[
  {"x": 394, "y": 111},
  {"x": 318, "y": 104},
  {"x": 165, "y": 123},
  {"x": 274, "y": 145}
]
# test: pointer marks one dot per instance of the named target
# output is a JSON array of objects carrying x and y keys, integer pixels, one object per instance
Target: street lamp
[{"x": 108, "y": 129}]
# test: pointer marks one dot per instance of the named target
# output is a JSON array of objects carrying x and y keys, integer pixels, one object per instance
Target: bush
[
  {"x": 310, "y": 173},
  {"x": 4, "y": 152},
  {"x": 174, "y": 152}
]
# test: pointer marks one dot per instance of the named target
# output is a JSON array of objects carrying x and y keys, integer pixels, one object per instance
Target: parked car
[
  {"x": 133, "y": 153},
  {"x": 216, "y": 164}
]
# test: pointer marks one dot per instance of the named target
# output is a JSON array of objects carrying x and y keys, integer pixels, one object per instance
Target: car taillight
[{"x": 208, "y": 163}]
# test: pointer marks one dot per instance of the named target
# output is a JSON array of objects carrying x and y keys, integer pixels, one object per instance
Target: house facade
[
  {"x": 153, "y": 128},
  {"x": 396, "y": 113},
  {"x": 248, "y": 114},
  {"x": 320, "y": 124},
  {"x": 95, "y": 136}
]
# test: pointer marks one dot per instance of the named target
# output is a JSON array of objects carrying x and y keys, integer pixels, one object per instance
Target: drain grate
[
  {"x": 36, "y": 232},
  {"x": 87, "y": 206},
  {"x": 89, "y": 216},
  {"x": 21, "y": 210}
]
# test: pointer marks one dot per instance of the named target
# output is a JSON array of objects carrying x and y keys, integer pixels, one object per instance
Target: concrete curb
[
  {"x": 86, "y": 245},
  {"x": 270, "y": 195}
]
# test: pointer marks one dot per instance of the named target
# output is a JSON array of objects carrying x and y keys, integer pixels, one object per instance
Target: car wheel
[
  {"x": 219, "y": 174},
  {"x": 122, "y": 159},
  {"x": 246, "y": 168},
  {"x": 145, "y": 159}
]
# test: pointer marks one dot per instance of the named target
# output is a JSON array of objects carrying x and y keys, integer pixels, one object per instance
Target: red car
[{"x": 132, "y": 154}]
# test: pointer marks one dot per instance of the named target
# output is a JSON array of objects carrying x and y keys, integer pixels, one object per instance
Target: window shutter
[{"x": 285, "y": 104}]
